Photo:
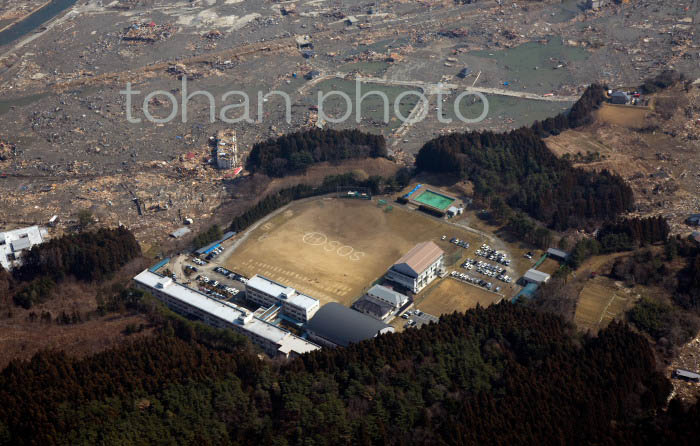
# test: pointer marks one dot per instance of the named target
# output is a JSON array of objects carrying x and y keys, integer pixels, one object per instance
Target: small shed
[
  {"x": 686, "y": 375},
  {"x": 453, "y": 211},
  {"x": 180, "y": 232},
  {"x": 558, "y": 254},
  {"x": 534, "y": 276},
  {"x": 350, "y": 20}
]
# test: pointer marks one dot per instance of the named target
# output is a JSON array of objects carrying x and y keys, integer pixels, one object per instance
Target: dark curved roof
[{"x": 343, "y": 326}]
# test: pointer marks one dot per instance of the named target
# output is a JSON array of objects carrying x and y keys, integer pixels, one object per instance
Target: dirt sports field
[
  {"x": 623, "y": 115},
  {"x": 451, "y": 295},
  {"x": 599, "y": 303},
  {"x": 333, "y": 248}
]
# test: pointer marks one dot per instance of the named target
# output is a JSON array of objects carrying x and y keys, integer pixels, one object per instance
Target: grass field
[
  {"x": 549, "y": 266},
  {"x": 334, "y": 249},
  {"x": 451, "y": 295},
  {"x": 598, "y": 305}
]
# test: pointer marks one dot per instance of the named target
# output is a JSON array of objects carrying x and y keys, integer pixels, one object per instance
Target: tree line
[
  {"x": 581, "y": 113},
  {"x": 474, "y": 378},
  {"x": 375, "y": 184},
  {"x": 625, "y": 234},
  {"x": 88, "y": 256},
  {"x": 295, "y": 152}
]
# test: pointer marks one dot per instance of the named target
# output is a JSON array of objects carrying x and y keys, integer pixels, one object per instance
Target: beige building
[{"x": 418, "y": 267}]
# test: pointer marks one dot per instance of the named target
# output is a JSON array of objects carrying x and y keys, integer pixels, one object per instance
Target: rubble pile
[{"x": 148, "y": 32}]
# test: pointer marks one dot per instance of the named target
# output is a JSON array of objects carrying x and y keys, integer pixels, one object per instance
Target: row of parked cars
[
  {"x": 491, "y": 254},
  {"x": 224, "y": 293},
  {"x": 230, "y": 274},
  {"x": 199, "y": 261},
  {"x": 215, "y": 252},
  {"x": 475, "y": 280},
  {"x": 458, "y": 242},
  {"x": 487, "y": 269}
]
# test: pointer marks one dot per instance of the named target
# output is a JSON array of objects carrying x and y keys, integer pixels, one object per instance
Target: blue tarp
[
  {"x": 159, "y": 265},
  {"x": 526, "y": 292},
  {"x": 414, "y": 189},
  {"x": 213, "y": 245}
]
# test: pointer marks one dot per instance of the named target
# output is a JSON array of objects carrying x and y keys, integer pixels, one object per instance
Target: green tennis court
[{"x": 435, "y": 200}]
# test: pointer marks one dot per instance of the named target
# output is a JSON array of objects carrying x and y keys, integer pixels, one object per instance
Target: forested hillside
[
  {"x": 86, "y": 256},
  {"x": 294, "y": 152},
  {"x": 504, "y": 375},
  {"x": 519, "y": 167}
]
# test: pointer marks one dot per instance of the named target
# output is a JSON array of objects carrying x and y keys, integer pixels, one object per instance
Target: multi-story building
[
  {"x": 266, "y": 292},
  {"x": 418, "y": 267},
  {"x": 226, "y": 152},
  {"x": 274, "y": 340}
]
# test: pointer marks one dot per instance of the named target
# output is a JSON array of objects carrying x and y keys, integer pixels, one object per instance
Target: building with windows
[
  {"x": 418, "y": 267},
  {"x": 388, "y": 296},
  {"x": 266, "y": 292},
  {"x": 190, "y": 303},
  {"x": 337, "y": 326},
  {"x": 13, "y": 243}
]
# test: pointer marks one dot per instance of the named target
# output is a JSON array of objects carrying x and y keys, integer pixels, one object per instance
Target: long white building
[
  {"x": 418, "y": 267},
  {"x": 266, "y": 292},
  {"x": 12, "y": 243},
  {"x": 274, "y": 340}
]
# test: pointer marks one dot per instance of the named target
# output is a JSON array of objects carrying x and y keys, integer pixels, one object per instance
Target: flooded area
[
  {"x": 369, "y": 68},
  {"x": 535, "y": 66},
  {"x": 8, "y": 104},
  {"x": 372, "y": 106},
  {"x": 34, "y": 20},
  {"x": 504, "y": 111}
]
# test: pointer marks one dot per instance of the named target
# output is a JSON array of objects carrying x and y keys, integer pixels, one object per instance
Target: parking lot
[
  {"x": 209, "y": 277},
  {"x": 416, "y": 318}
]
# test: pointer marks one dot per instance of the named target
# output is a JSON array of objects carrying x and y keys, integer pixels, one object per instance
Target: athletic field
[
  {"x": 435, "y": 200},
  {"x": 334, "y": 248}
]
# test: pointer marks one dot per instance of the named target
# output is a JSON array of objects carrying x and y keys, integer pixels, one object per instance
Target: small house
[{"x": 620, "y": 97}]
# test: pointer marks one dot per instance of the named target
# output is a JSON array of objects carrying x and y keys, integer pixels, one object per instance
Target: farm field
[
  {"x": 334, "y": 249},
  {"x": 451, "y": 295},
  {"x": 598, "y": 305}
]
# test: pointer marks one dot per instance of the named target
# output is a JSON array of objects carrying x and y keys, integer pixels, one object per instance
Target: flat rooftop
[
  {"x": 226, "y": 311},
  {"x": 281, "y": 292}
]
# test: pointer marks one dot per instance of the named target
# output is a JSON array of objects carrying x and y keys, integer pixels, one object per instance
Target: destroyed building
[{"x": 226, "y": 150}]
